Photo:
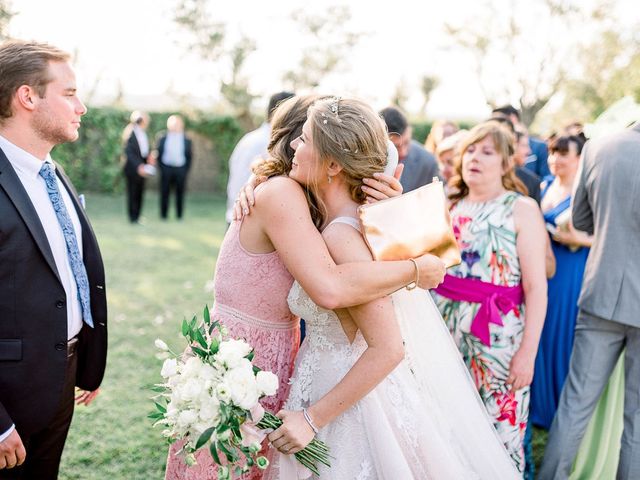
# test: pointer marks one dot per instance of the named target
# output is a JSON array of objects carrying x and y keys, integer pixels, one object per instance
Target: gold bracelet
[{"x": 414, "y": 284}]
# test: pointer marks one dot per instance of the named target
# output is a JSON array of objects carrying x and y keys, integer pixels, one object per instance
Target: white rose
[
  {"x": 210, "y": 411},
  {"x": 267, "y": 383},
  {"x": 207, "y": 372},
  {"x": 192, "y": 367},
  {"x": 169, "y": 368},
  {"x": 242, "y": 383},
  {"x": 191, "y": 390},
  {"x": 186, "y": 418},
  {"x": 223, "y": 392},
  {"x": 232, "y": 351}
]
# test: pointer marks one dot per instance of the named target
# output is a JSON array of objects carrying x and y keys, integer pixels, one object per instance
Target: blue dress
[{"x": 556, "y": 341}]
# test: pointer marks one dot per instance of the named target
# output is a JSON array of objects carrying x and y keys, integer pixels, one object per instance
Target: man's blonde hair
[{"x": 25, "y": 63}]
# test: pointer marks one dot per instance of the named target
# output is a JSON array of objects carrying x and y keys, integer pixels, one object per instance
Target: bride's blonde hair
[{"x": 351, "y": 133}]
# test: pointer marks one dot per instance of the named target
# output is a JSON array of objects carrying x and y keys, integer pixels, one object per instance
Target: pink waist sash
[{"x": 492, "y": 298}]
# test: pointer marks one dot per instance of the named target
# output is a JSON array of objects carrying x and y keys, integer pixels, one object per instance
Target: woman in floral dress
[{"x": 483, "y": 300}]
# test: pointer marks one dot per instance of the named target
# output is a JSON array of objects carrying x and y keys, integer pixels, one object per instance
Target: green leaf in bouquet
[
  {"x": 193, "y": 323},
  {"x": 200, "y": 339},
  {"x": 198, "y": 351},
  {"x": 252, "y": 354},
  {"x": 228, "y": 451},
  {"x": 214, "y": 452},
  {"x": 204, "y": 438},
  {"x": 185, "y": 328},
  {"x": 158, "y": 388},
  {"x": 156, "y": 416},
  {"x": 215, "y": 346},
  {"x": 161, "y": 408},
  {"x": 206, "y": 316}
]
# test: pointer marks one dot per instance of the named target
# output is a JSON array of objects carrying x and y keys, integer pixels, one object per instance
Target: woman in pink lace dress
[{"x": 257, "y": 263}]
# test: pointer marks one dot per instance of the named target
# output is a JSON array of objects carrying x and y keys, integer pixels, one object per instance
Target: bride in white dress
[{"x": 382, "y": 383}]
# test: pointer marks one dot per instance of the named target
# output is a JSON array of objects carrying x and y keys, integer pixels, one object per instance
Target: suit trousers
[
  {"x": 44, "y": 448},
  {"x": 597, "y": 347},
  {"x": 176, "y": 178},
  {"x": 135, "y": 190}
]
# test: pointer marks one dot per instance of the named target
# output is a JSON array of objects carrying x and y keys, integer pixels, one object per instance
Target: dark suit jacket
[
  {"x": 537, "y": 161},
  {"x": 188, "y": 151},
  {"x": 531, "y": 181},
  {"x": 33, "y": 314},
  {"x": 133, "y": 156},
  {"x": 419, "y": 168}
]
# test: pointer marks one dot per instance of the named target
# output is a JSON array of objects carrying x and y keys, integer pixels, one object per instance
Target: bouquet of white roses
[{"x": 211, "y": 399}]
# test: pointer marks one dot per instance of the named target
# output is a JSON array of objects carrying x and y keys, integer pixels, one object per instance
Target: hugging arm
[{"x": 284, "y": 217}]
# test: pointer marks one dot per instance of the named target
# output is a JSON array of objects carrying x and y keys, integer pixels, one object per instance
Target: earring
[{"x": 329, "y": 178}]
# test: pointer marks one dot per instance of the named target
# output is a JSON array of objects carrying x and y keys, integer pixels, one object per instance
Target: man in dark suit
[
  {"x": 53, "y": 311},
  {"x": 538, "y": 150},
  {"x": 174, "y": 157},
  {"x": 420, "y": 166},
  {"x": 138, "y": 164}
]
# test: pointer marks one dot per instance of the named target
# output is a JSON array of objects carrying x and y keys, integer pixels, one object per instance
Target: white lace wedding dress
[{"x": 400, "y": 430}]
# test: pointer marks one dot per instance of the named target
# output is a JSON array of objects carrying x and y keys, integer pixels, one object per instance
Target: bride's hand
[
  {"x": 521, "y": 369},
  {"x": 383, "y": 186},
  {"x": 246, "y": 198},
  {"x": 432, "y": 271},
  {"x": 293, "y": 435}
]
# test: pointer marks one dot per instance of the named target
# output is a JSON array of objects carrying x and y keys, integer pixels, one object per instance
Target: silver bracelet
[{"x": 307, "y": 417}]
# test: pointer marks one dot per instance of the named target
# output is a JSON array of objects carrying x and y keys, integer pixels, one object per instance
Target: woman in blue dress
[{"x": 570, "y": 248}]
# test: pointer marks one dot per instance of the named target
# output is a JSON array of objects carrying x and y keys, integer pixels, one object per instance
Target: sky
[{"x": 134, "y": 46}]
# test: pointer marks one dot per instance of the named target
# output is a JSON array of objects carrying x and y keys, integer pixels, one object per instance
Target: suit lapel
[
  {"x": 88, "y": 236},
  {"x": 12, "y": 185}
]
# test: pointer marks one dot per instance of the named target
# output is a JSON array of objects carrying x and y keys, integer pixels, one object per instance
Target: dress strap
[{"x": 354, "y": 222}]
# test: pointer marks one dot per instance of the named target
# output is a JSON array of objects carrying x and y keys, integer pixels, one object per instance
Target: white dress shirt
[
  {"x": 173, "y": 153},
  {"x": 250, "y": 148},
  {"x": 28, "y": 169},
  {"x": 143, "y": 140}
]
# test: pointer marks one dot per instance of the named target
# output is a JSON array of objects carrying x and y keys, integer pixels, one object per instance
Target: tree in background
[
  {"x": 207, "y": 39},
  {"x": 329, "y": 49},
  {"x": 521, "y": 49},
  {"x": 5, "y": 18},
  {"x": 428, "y": 83},
  {"x": 610, "y": 70}
]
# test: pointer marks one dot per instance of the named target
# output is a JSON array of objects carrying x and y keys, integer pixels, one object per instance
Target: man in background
[
  {"x": 419, "y": 165},
  {"x": 251, "y": 147},
  {"x": 174, "y": 160},
  {"x": 136, "y": 162},
  {"x": 537, "y": 159}
]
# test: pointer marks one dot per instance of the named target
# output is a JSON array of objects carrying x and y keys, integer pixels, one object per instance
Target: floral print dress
[{"x": 486, "y": 235}]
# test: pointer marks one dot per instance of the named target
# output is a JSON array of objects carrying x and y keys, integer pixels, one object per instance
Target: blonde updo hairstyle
[
  {"x": 503, "y": 142},
  {"x": 352, "y": 134}
]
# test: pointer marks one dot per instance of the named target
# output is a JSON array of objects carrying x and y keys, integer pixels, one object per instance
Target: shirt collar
[{"x": 22, "y": 160}]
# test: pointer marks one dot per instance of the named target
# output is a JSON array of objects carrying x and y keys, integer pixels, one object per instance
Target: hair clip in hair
[{"x": 333, "y": 106}]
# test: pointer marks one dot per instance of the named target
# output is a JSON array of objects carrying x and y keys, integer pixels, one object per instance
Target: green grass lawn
[{"x": 157, "y": 274}]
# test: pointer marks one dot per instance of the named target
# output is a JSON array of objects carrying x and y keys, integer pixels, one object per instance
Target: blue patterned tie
[{"x": 77, "y": 265}]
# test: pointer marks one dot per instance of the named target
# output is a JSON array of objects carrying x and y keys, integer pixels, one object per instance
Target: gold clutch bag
[{"x": 411, "y": 225}]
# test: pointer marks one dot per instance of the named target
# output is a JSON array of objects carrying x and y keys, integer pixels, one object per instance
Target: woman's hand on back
[{"x": 383, "y": 186}]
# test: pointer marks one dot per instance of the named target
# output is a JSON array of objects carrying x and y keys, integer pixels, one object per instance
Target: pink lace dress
[{"x": 251, "y": 300}]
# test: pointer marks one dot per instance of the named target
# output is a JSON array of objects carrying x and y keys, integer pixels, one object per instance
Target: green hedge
[
  {"x": 94, "y": 161},
  {"x": 422, "y": 129}
]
